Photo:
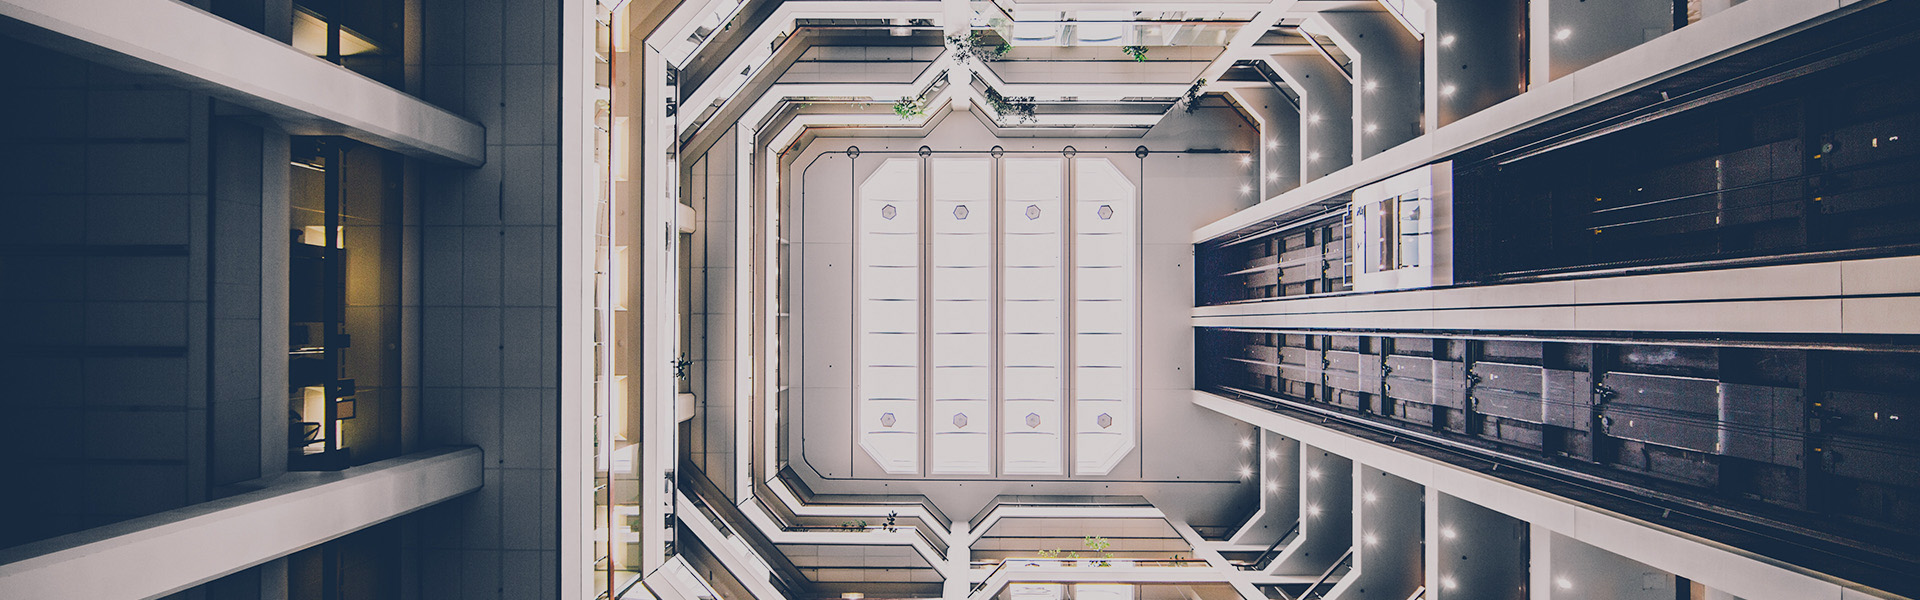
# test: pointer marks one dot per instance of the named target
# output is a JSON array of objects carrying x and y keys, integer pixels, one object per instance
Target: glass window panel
[
  {"x": 962, "y": 317},
  {"x": 1106, "y": 243},
  {"x": 888, "y": 221},
  {"x": 1033, "y": 253}
]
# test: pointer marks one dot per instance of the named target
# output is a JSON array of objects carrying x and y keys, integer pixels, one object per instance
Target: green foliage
[
  {"x": 1191, "y": 101},
  {"x": 910, "y": 107},
  {"x": 859, "y": 525},
  {"x": 974, "y": 46},
  {"x": 1139, "y": 53},
  {"x": 1019, "y": 108}
]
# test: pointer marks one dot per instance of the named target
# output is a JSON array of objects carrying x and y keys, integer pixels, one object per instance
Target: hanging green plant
[
  {"x": 1139, "y": 53},
  {"x": 974, "y": 46},
  {"x": 1191, "y": 101},
  {"x": 910, "y": 108},
  {"x": 1018, "y": 108}
]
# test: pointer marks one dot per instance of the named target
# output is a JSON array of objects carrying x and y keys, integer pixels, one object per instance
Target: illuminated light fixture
[
  {"x": 853, "y": 596},
  {"x": 1372, "y": 540},
  {"x": 1447, "y": 40},
  {"x": 1446, "y": 581},
  {"x": 1448, "y": 90},
  {"x": 1273, "y": 454},
  {"x": 1313, "y": 156},
  {"x": 1245, "y": 160},
  {"x": 1313, "y": 510},
  {"x": 1273, "y": 144},
  {"x": 1372, "y": 128},
  {"x": 1448, "y": 532},
  {"x": 1273, "y": 176},
  {"x": 1372, "y": 85},
  {"x": 1313, "y": 117},
  {"x": 1563, "y": 34},
  {"x": 1563, "y": 583},
  {"x": 1246, "y": 189},
  {"x": 1246, "y": 472},
  {"x": 1313, "y": 474},
  {"x": 1246, "y": 442},
  {"x": 1370, "y": 497},
  {"x": 1273, "y": 486}
]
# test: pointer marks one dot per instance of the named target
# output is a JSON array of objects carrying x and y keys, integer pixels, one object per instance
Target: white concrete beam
[
  {"x": 1743, "y": 26},
  {"x": 161, "y": 554},
  {"x": 197, "y": 50},
  {"x": 1734, "y": 570}
]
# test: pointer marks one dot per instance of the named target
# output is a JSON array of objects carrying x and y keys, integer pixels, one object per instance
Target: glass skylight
[
  {"x": 888, "y": 214},
  {"x": 961, "y": 314},
  {"x": 1031, "y": 344},
  {"x": 1024, "y": 284},
  {"x": 1106, "y": 234}
]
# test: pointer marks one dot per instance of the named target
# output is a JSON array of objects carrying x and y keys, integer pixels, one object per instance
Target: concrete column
[
  {"x": 1577, "y": 33},
  {"x": 1279, "y": 137},
  {"x": 1326, "y": 112},
  {"x": 1477, "y": 57},
  {"x": 1387, "y": 78}
]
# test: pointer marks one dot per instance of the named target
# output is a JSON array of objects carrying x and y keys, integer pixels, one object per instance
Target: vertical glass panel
[
  {"x": 1032, "y": 286},
  {"x": 1106, "y": 245},
  {"x": 961, "y": 315},
  {"x": 888, "y": 217}
]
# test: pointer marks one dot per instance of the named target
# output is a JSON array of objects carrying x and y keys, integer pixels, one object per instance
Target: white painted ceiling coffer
[
  {"x": 961, "y": 315},
  {"x": 888, "y": 284},
  {"x": 1032, "y": 345},
  {"x": 1106, "y": 243}
]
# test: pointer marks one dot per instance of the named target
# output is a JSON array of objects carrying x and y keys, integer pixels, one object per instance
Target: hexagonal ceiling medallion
[
  {"x": 960, "y": 212},
  {"x": 1104, "y": 420},
  {"x": 1033, "y": 211},
  {"x": 960, "y": 420},
  {"x": 1105, "y": 212},
  {"x": 1033, "y": 420},
  {"x": 888, "y": 212},
  {"x": 887, "y": 420}
]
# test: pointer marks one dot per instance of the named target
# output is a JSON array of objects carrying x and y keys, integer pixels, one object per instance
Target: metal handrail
[
  {"x": 1266, "y": 557},
  {"x": 1346, "y": 560},
  {"x": 1096, "y": 563}
]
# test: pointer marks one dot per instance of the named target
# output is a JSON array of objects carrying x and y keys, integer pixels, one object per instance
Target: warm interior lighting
[{"x": 310, "y": 36}]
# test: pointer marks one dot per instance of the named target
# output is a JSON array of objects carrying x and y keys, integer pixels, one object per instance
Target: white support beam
[
  {"x": 161, "y": 554},
  {"x": 196, "y": 50},
  {"x": 1737, "y": 28},
  {"x": 1733, "y": 570}
]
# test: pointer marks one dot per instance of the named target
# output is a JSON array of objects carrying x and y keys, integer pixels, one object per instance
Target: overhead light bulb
[
  {"x": 1563, "y": 583},
  {"x": 1273, "y": 144},
  {"x": 1447, "y": 581},
  {"x": 1446, "y": 40},
  {"x": 1448, "y": 532},
  {"x": 1246, "y": 442},
  {"x": 1372, "y": 540},
  {"x": 1246, "y": 188},
  {"x": 1563, "y": 33},
  {"x": 1372, "y": 128},
  {"x": 1273, "y": 176},
  {"x": 1448, "y": 90},
  {"x": 1246, "y": 472},
  {"x": 1370, "y": 497},
  {"x": 1245, "y": 160}
]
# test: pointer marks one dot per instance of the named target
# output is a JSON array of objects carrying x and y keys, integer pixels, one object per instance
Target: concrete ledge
[
  {"x": 199, "y": 51},
  {"x": 161, "y": 554}
]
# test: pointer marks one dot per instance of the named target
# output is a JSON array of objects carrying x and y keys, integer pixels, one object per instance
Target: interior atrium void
[{"x": 960, "y": 299}]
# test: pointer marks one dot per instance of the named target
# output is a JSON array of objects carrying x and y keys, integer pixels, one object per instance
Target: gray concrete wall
[
  {"x": 104, "y": 296},
  {"x": 489, "y": 290}
]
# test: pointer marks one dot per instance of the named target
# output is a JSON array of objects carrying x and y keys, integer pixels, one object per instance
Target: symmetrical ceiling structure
[{"x": 927, "y": 295}]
